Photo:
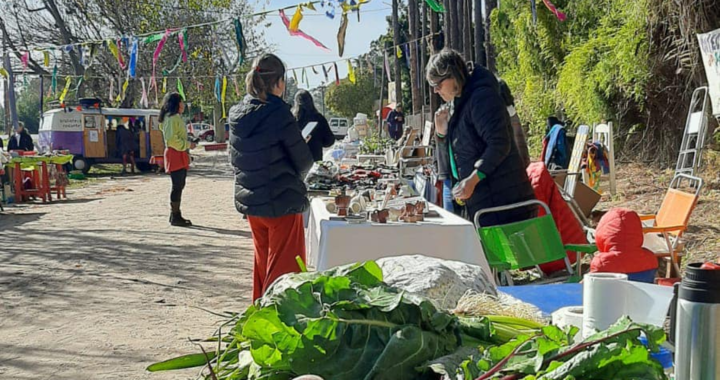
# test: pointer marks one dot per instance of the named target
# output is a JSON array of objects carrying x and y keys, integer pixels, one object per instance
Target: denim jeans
[{"x": 447, "y": 195}]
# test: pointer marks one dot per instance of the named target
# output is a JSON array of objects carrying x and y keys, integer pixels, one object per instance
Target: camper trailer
[{"x": 88, "y": 132}]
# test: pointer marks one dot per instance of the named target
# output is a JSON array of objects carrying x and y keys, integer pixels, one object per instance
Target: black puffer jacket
[
  {"x": 322, "y": 135},
  {"x": 269, "y": 158},
  {"x": 482, "y": 139}
]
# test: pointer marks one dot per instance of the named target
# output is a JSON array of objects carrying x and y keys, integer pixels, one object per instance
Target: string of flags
[{"x": 126, "y": 51}]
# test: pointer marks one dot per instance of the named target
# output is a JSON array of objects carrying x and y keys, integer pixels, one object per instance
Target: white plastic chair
[{"x": 603, "y": 133}]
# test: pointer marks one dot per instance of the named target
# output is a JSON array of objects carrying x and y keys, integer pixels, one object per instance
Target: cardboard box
[{"x": 586, "y": 198}]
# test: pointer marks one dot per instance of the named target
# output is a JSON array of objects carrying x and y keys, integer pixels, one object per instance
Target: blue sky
[{"x": 296, "y": 51}]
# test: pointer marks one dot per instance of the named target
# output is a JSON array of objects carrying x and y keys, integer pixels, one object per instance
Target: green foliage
[
  {"x": 348, "y": 99},
  {"x": 593, "y": 66},
  {"x": 553, "y": 354},
  {"x": 28, "y": 105}
]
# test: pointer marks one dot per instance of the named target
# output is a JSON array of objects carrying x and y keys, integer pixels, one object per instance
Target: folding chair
[
  {"x": 573, "y": 172},
  {"x": 526, "y": 244},
  {"x": 673, "y": 217}
]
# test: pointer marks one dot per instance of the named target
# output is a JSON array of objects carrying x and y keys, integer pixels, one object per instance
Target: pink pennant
[
  {"x": 181, "y": 40},
  {"x": 120, "y": 58},
  {"x": 237, "y": 88},
  {"x": 25, "y": 59},
  {"x": 156, "y": 55},
  {"x": 560, "y": 15},
  {"x": 144, "y": 98},
  {"x": 300, "y": 33}
]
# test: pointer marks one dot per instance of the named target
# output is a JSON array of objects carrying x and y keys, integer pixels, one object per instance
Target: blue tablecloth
[{"x": 548, "y": 298}]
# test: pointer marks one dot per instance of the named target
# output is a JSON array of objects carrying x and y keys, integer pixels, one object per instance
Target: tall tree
[
  {"x": 480, "y": 57},
  {"x": 348, "y": 99},
  {"x": 468, "y": 30},
  {"x": 396, "y": 43},
  {"x": 435, "y": 45},
  {"x": 414, "y": 24},
  {"x": 211, "y": 50},
  {"x": 490, "y": 5}
]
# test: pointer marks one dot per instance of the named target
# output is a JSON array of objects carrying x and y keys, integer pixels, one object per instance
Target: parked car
[
  {"x": 339, "y": 127},
  {"x": 202, "y": 131}
]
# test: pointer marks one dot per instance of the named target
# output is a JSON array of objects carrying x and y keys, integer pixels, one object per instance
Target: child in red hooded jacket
[{"x": 619, "y": 239}]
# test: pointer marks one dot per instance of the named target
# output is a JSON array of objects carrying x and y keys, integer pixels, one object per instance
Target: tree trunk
[
  {"x": 414, "y": 18},
  {"x": 456, "y": 41},
  {"x": 424, "y": 50},
  {"x": 479, "y": 34},
  {"x": 65, "y": 35},
  {"x": 489, "y": 48},
  {"x": 434, "y": 28},
  {"x": 446, "y": 24},
  {"x": 468, "y": 32},
  {"x": 396, "y": 43}
]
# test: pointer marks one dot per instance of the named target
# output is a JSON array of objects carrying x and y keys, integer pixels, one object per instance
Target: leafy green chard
[
  {"x": 346, "y": 324},
  {"x": 553, "y": 354},
  {"x": 340, "y": 324}
]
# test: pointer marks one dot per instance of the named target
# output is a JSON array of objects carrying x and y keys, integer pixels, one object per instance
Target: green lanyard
[{"x": 453, "y": 166}]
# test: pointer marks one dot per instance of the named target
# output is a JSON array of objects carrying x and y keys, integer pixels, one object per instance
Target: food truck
[{"x": 88, "y": 132}]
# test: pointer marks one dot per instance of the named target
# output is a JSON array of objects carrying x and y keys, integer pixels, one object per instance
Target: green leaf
[
  {"x": 456, "y": 363},
  {"x": 182, "y": 362}
]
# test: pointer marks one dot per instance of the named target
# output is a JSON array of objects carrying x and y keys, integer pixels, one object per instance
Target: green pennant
[
  {"x": 435, "y": 6},
  {"x": 181, "y": 89}
]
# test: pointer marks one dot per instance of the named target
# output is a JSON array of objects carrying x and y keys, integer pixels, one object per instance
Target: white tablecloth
[{"x": 332, "y": 243}]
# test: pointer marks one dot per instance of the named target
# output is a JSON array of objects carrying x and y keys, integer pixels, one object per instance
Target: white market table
[{"x": 332, "y": 243}]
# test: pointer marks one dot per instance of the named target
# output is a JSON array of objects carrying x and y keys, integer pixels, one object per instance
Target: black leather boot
[{"x": 176, "y": 218}]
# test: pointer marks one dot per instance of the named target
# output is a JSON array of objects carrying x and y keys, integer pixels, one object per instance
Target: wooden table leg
[
  {"x": 45, "y": 187},
  {"x": 17, "y": 173}
]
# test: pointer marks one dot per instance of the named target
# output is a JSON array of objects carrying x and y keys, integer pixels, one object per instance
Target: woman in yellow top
[{"x": 177, "y": 159}]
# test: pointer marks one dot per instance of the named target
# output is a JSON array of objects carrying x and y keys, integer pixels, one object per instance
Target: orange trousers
[{"x": 277, "y": 242}]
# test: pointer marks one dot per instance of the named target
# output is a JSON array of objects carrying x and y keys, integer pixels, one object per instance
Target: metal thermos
[{"x": 697, "y": 330}]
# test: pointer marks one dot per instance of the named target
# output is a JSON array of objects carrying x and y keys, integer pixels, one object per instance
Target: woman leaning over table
[
  {"x": 270, "y": 157},
  {"x": 484, "y": 163}
]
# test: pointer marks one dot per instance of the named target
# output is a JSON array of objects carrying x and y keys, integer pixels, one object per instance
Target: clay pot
[
  {"x": 419, "y": 211},
  {"x": 395, "y": 214},
  {"x": 380, "y": 216},
  {"x": 342, "y": 202}
]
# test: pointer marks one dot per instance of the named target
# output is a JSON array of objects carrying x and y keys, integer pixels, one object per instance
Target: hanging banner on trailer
[{"x": 710, "y": 50}]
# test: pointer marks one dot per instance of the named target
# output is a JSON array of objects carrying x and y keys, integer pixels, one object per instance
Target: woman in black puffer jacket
[
  {"x": 270, "y": 157},
  {"x": 485, "y": 165}
]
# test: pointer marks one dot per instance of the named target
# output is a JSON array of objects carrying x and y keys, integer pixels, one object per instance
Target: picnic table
[{"x": 37, "y": 168}]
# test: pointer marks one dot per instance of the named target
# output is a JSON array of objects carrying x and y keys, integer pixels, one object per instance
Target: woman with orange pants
[{"x": 270, "y": 160}]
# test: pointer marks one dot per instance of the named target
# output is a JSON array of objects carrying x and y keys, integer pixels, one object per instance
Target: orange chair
[{"x": 673, "y": 217}]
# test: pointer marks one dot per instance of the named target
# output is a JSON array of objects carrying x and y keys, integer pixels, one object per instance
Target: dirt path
[{"x": 100, "y": 286}]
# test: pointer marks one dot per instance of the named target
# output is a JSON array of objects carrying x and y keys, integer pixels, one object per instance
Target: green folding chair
[{"x": 527, "y": 244}]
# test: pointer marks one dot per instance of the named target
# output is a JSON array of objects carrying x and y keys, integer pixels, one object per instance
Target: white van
[{"x": 339, "y": 127}]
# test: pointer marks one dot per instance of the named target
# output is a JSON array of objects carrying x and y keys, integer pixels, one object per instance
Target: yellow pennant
[
  {"x": 4, "y": 72},
  {"x": 46, "y": 58},
  {"x": 68, "y": 80},
  {"x": 398, "y": 52},
  {"x": 351, "y": 73},
  {"x": 297, "y": 17},
  {"x": 124, "y": 88},
  {"x": 164, "y": 85},
  {"x": 113, "y": 48},
  {"x": 222, "y": 96}
]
